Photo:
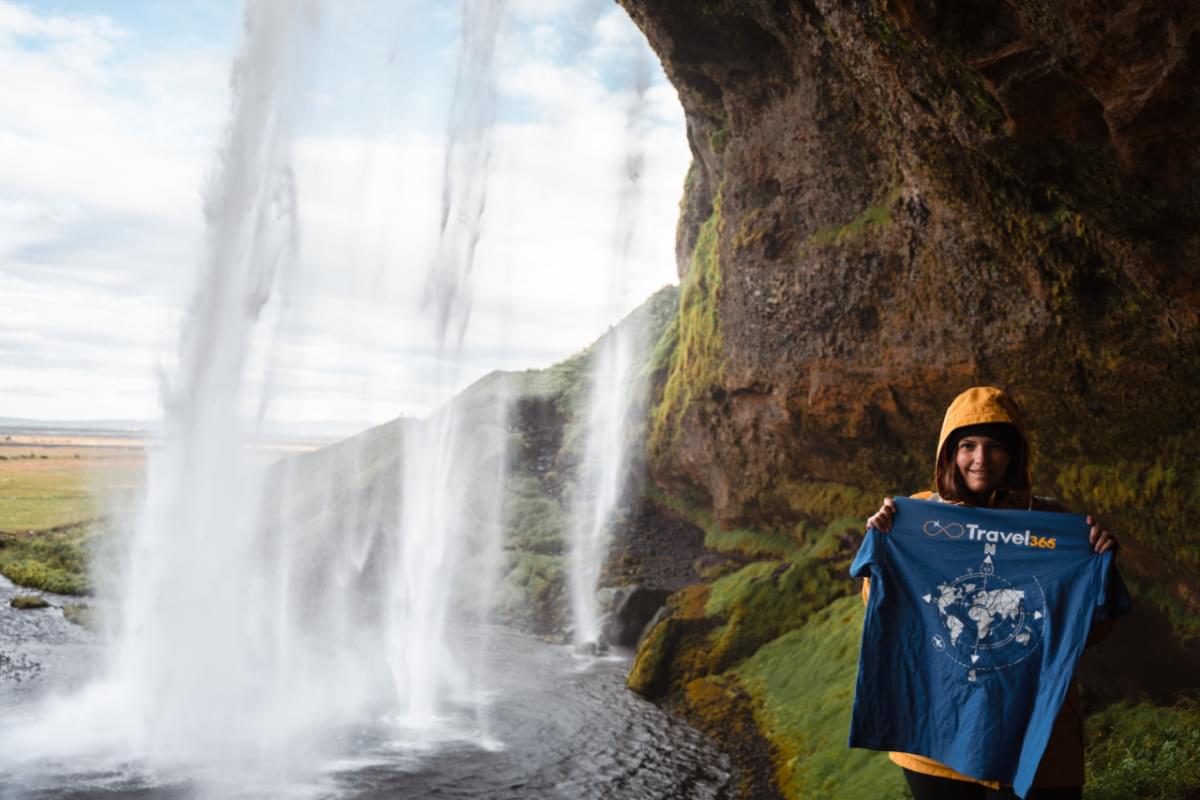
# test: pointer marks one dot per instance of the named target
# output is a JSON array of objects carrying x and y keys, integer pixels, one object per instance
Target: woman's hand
[
  {"x": 1101, "y": 538},
  {"x": 882, "y": 519}
]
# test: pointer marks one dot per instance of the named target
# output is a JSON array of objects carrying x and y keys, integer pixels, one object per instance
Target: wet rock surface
[
  {"x": 629, "y": 609},
  {"x": 30, "y": 638},
  {"x": 912, "y": 197}
]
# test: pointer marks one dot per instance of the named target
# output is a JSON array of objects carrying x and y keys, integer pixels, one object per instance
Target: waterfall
[
  {"x": 273, "y": 622},
  {"x": 202, "y": 660},
  {"x": 433, "y": 529},
  {"x": 263, "y": 611},
  {"x": 613, "y": 392}
]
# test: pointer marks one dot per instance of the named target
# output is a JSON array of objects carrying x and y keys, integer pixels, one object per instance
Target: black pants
[{"x": 929, "y": 787}]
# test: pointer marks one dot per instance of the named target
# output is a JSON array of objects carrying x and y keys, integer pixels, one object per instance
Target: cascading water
[
  {"x": 433, "y": 528},
  {"x": 206, "y": 675},
  {"x": 614, "y": 392},
  {"x": 293, "y": 628},
  {"x": 214, "y": 676},
  {"x": 262, "y": 612}
]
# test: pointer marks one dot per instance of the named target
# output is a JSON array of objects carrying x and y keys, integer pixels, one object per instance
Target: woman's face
[{"x": 982, "y": 461}]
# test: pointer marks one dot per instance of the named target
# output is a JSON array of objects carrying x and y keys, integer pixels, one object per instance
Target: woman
[{"x": 983, "y": 460}]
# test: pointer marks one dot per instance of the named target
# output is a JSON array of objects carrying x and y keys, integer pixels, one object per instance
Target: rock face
[
  {"x": 630, "y": 608},
  {"x": 892, "y": 200}
]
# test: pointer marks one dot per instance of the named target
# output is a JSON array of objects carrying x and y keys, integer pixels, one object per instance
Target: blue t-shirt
[{"x": 975, "y": 621}]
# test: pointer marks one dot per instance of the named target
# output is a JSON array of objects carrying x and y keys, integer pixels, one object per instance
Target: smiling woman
[{"x": 983, "y": 461}]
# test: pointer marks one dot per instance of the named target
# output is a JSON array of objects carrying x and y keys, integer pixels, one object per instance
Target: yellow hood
[{"x": 981, "y": 405}]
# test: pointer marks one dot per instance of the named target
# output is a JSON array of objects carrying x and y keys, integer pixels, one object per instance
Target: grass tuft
[
  {"x": 1144, "y": 751},
  {"x": 48, "y": 563}
]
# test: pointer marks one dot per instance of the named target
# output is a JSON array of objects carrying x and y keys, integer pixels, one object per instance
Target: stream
[{"x": 558, "y": 727}]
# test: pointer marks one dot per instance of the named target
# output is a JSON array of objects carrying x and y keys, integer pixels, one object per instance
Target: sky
[{"x": 112, "y": 118}]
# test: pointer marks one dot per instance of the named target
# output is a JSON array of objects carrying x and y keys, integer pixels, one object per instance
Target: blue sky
[{"x": 111, "y": 117}]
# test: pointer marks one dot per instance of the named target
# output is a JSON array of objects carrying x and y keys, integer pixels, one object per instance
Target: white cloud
[{"x": 105, "y": 139}]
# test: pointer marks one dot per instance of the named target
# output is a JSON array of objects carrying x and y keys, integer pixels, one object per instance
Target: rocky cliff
[{"x": 892, "y": 200}]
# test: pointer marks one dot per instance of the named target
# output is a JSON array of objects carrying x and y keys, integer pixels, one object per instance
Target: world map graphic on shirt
[
  {"x": 987, "y": 623},
  {"x": 974, "y": 623}
]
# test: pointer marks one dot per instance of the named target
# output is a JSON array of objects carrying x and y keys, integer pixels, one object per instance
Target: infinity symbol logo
[{"x": 953, "y": 530}]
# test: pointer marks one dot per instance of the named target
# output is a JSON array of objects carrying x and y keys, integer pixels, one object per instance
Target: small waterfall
[
  {"x": 433, "y": 529},
  {"x": 613, "y": 392}
]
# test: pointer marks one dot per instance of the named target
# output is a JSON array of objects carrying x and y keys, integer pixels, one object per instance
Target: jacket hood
[{"x": 981, "y": 405}]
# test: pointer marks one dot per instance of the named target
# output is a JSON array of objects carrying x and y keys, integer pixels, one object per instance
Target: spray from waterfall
[{"x": 613, "y": 389}]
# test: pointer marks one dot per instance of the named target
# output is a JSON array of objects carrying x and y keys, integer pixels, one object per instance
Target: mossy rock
[
  {"x": 650, "y": 674},
  {"x": 770, "y": 604},
  {"x": 691, "y": 344},
  {"x": 28, "y": 601}
]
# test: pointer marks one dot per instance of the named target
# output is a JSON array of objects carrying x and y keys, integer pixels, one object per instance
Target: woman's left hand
[{"x": 1101, "y": 538}]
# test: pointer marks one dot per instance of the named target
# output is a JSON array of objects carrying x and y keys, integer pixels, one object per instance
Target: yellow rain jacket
[{"x": 1062, "y": 763}]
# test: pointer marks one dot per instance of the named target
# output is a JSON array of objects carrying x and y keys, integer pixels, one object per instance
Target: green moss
[
  {"x": 650, "y": 672},
  {"x": 718, "y": 139},
  {"x": 873, "y": 217},
  {"x": 532, "y": 591},
  {"x": 1165, "y": 596},
  {"x": 1144, "y": 751},
  {"x": 28, "y": 601},
  {"x": 696, "y": 365},
  {"x": 750, "y": 229},
  {"x": 534, "y": 521},
  {"x": 48, "y": 563},
  {"x": 763, "y": 601},
  {"x": 749, "y": 542},
  {"x": 987, "y": 108},
  {"x": 825, "y": 501},
  {"x": 1158, "y": 490},
  {"x": 729, "y": 590},
  {"x": 802, "y": 685},
  {"x": 1151, "y": 505}
]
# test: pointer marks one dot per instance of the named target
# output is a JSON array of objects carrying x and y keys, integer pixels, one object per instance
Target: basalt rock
[
  {"x": 629, "y": 610},
  {"x": 892, "y": 200}
]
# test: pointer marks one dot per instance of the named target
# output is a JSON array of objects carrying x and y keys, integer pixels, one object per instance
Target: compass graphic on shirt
[{"x": 987, "y": 623}]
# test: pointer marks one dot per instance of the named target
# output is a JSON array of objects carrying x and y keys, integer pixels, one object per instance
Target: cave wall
[{"x": 892, "y": 200}]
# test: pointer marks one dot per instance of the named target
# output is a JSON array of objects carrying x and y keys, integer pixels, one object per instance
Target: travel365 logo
[{"x": 974, "y": 533}]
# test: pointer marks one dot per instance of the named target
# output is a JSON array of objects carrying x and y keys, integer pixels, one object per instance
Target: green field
[{"x": 55, "y": 495}]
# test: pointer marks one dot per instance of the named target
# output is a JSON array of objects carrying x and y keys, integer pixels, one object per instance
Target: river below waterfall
[{"x": 558, "y": 727}]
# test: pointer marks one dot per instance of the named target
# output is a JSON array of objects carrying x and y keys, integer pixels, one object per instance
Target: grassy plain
[{"x": 56, "y": 490}]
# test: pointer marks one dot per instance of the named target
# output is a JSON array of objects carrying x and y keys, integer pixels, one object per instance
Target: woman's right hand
[{"x": 882, "y": 519}]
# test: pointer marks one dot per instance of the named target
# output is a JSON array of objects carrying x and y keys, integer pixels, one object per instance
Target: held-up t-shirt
[{"x": 974, "y": 624}]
